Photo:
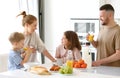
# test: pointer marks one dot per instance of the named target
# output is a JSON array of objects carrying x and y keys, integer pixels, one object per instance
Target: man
[{"x": 108, "y": 41}]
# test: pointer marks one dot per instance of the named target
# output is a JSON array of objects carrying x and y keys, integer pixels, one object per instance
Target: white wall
[
  {"x": 115, "y": 4},
  {"x": 8, "y": 23},
  {"x": 58, "y": 14}
]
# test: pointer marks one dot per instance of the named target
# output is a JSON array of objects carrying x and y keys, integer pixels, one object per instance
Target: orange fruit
[
  {"x": 83, "y": 65},
  {"x": 74, "y": 62},
  {"x": 77, "y": 65},
  {"x": 81, "y": 62}
]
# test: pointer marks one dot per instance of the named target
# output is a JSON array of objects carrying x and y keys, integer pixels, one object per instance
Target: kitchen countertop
[
  {"x": 105, "y": 70},
  {"x": 94, "y": 72}
]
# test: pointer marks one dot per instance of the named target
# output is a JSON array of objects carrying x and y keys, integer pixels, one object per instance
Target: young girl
[{"x": 71, "y": 42}]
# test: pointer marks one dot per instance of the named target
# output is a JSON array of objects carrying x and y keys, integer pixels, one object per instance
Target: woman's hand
[{"x": 33, "y": 50}]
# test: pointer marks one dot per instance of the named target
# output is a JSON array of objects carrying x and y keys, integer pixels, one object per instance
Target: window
[
  {"x": 9, "y": 10},
  {"x": 8, "y": 21}
]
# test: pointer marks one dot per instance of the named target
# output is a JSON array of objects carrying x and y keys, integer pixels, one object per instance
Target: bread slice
[{"x": 39, "y": 70}]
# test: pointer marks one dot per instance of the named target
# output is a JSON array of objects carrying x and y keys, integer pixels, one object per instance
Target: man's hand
[
  {"x": 87, "y": 37},
  {"x": 96, "y": 63}
]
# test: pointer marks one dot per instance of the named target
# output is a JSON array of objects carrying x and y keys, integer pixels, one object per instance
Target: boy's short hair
[{"x": 16, "y": 37}]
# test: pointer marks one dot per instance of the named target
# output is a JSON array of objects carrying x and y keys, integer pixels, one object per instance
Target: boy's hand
[{"x": 28, "y": 50}]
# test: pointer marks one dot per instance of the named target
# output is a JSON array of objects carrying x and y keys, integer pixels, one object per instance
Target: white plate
[
  {"x": 54, "y": 71},
  {"x": 67, "y": 74},
  {"x": 30, "y": 64}
]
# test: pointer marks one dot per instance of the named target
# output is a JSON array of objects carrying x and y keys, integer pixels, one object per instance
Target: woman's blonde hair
[{"x": 29, "y": 19}]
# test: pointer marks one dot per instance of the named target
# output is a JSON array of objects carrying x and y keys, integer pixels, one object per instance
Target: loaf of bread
[{"x": 39, "y": 70}]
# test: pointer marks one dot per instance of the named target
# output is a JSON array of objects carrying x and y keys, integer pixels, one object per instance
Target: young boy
[{"x": 15, "y": 60}]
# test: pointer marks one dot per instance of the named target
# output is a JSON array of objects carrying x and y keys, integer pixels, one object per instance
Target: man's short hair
[{"x": 107, "y": 7}]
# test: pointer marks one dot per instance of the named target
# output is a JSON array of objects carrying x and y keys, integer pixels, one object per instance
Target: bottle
[
  {"x": 69, "y": 59},
  {"x": 86, "y": 56},
  {"x": 69, "y": 55}
]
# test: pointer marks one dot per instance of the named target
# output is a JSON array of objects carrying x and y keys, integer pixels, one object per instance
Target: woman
[
  {"x": 32, "y": 40},
  {"x": 70, "y": 41}
]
